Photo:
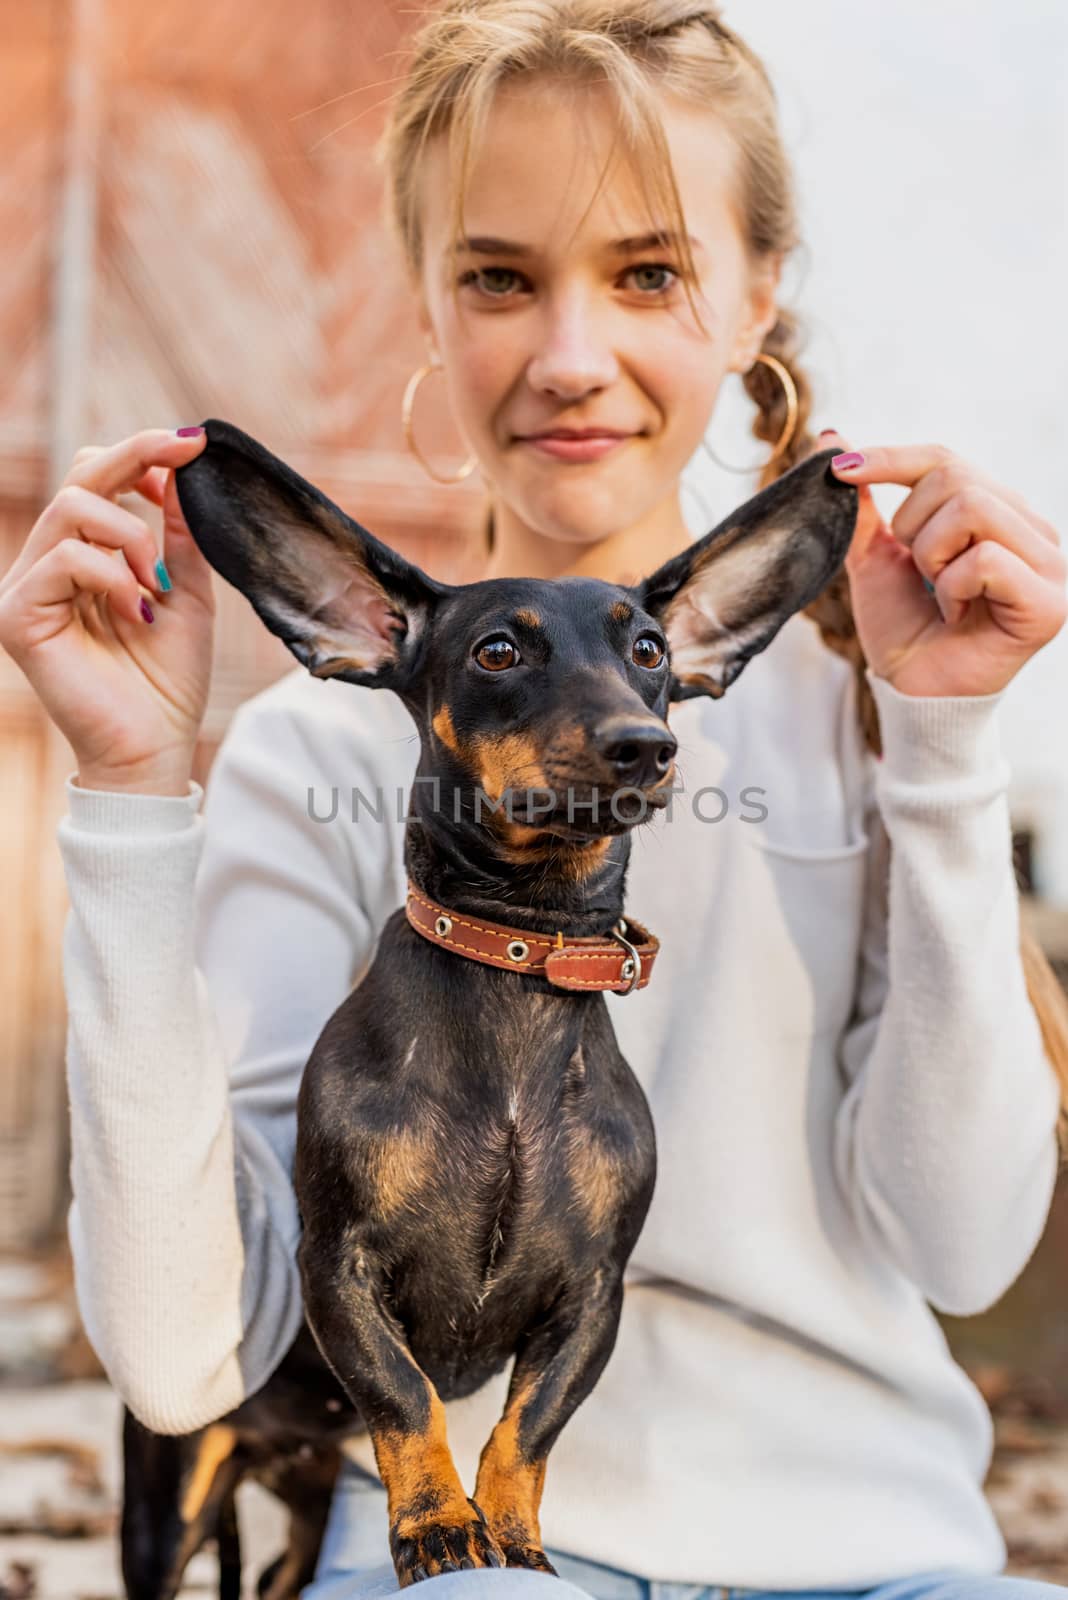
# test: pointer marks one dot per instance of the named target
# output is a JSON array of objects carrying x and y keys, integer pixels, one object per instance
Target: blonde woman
[{"x": 853, "y": 1065}]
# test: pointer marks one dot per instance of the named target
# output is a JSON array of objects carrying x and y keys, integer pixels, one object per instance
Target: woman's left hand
[{"x": 996, "y": 566}]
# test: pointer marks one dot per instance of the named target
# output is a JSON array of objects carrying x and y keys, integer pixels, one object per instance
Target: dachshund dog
[{"x": 474, "y": 1157}]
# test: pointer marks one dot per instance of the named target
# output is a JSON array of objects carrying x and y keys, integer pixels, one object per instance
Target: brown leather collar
[{"x": 621, "y": 960}]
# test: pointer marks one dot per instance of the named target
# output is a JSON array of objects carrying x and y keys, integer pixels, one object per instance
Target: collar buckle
[{"x": 632, "y": 966}]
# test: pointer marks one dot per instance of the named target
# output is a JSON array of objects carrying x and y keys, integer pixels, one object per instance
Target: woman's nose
[{"x": 573, "y": 354}]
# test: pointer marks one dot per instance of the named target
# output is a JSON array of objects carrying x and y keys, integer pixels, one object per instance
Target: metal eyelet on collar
[
  {"x": 517, "y": 950},
  {"x": 443, "y": 926}
]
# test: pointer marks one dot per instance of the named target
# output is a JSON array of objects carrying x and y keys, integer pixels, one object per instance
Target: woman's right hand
[{"x": 128, "y": 694}]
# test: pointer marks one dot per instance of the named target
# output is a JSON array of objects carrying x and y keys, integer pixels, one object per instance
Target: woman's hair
[{"x": 467, "y": 49}]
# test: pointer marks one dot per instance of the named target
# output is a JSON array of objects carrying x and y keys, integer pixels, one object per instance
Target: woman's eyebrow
[{"x": 483, "y": 244}]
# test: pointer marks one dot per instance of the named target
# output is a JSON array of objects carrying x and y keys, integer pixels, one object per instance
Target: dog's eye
[
  {"x": 647, "y": 651},
  {"x": 496, "y": 654}
]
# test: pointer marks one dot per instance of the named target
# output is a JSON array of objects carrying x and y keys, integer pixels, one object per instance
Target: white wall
[{"x": 930, "y": 141}]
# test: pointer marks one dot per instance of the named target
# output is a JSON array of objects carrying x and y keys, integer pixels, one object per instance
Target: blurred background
[{"x": 190, "y": 226}]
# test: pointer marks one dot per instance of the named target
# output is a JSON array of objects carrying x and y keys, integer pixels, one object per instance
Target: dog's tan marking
[
  {"x": 523, "y": 845},
  {"x": 336, "y": 664},
  {"x": 622, "y": 611},
  {"x": 508, "y": 760},
  {"x": 442, "y": 725},
  {"x": 594, "y": 1177},
  {"x": 508, "y": 1487},
  {"x": 216, "y": 1447},
  {"x": 418, "y": 1469},
  {"x": 567, "y": 744},
  {"x": 527, "y": 617},
  {"x": 402, "y": 1168},
  {"x": 701, "y": 680}
]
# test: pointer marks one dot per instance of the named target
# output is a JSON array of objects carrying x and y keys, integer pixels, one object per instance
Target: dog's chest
[{"x": 506, "y": 1187}]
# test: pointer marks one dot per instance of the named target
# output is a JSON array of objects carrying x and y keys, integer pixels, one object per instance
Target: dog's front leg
[
  {"x": 555, "y": 1369},
  {"x": 433, "y": 1526}
]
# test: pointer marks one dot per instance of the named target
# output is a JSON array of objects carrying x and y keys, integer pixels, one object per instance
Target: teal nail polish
[
  {"x": 929, "y": 586},
  {"x": 163, "y": 577}
]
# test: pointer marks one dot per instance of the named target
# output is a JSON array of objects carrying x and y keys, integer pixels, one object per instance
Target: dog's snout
[{"x": 640, "y": 752}]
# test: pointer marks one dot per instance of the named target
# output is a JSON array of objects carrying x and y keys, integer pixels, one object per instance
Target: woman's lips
[{"x": 590, "y": 449}]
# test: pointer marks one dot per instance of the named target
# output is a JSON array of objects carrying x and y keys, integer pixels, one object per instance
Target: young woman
[{"x": 853, "y": 1069}]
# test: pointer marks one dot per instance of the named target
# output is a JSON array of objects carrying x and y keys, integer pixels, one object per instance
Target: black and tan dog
[
  {"x": 474, "y": 1157},
  {"x": 179, "y": 1491}
]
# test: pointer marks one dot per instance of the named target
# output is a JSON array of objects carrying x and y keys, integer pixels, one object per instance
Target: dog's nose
[{"x": 640, "y": 752}]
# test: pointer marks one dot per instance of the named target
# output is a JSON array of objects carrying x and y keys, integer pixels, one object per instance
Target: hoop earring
[
  {"x": 783, "y": 374},
  {"x": 406, "y": 420}
]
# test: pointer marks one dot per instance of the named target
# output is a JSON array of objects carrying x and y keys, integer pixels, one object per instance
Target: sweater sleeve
[
  {"x": 945, "y": 1143},
  {"x": 203, "y": 953}
]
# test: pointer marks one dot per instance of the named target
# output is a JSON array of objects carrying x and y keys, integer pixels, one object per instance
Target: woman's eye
[
  {"x": 647, "y": 651},
  {"x": 496, "y": 654},
  {"x": 649, "y": 293},
  {"x": 483, "y": 272},
  {"x": 657, "y": 266}
]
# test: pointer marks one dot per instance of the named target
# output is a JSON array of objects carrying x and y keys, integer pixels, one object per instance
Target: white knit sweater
[{"x": 854, "y": 1113}]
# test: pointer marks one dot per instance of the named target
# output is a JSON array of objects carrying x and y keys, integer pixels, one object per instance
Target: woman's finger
[
  {"x": 870, "y": 527},
  {"x": 947, "y": 483},
  {"x": 104, "y": 473},
  {"x": 187, "y": 565},
  {"x": 942, "y": 472},
  {"x": 975, "y": 513},
  {"x": 120, "y": 467},
  {"x": 151, "y": 485},
  {"x": 1024, "y": 604},
  {"x": 77, "y": 512},
  {"x": 36, "y": 608}
]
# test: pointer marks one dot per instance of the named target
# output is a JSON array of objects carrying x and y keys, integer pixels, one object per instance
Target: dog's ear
[
  {"x": 724, "y": 598},
  {"x": 344, "y": 603}
]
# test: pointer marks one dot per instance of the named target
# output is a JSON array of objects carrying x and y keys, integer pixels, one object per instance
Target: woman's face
[{"x": 564, "y": 329}]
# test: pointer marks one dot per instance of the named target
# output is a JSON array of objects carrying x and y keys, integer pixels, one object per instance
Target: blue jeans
[{"x": 355, "y": 1564}]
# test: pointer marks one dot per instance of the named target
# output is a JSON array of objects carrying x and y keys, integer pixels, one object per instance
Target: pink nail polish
[
  {"x": 146, "y": 610},
  {"x": 188, "y": 433},
  {"x": 826, "y": 432},
  {"x": 845, "y": 463}
]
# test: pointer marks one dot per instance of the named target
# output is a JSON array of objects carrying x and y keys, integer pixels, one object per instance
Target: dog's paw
[
  {"x": 527, "y": 1555},
  {"x": 520, "y": 1546},
  {"x": 443, "y": 1544}
]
